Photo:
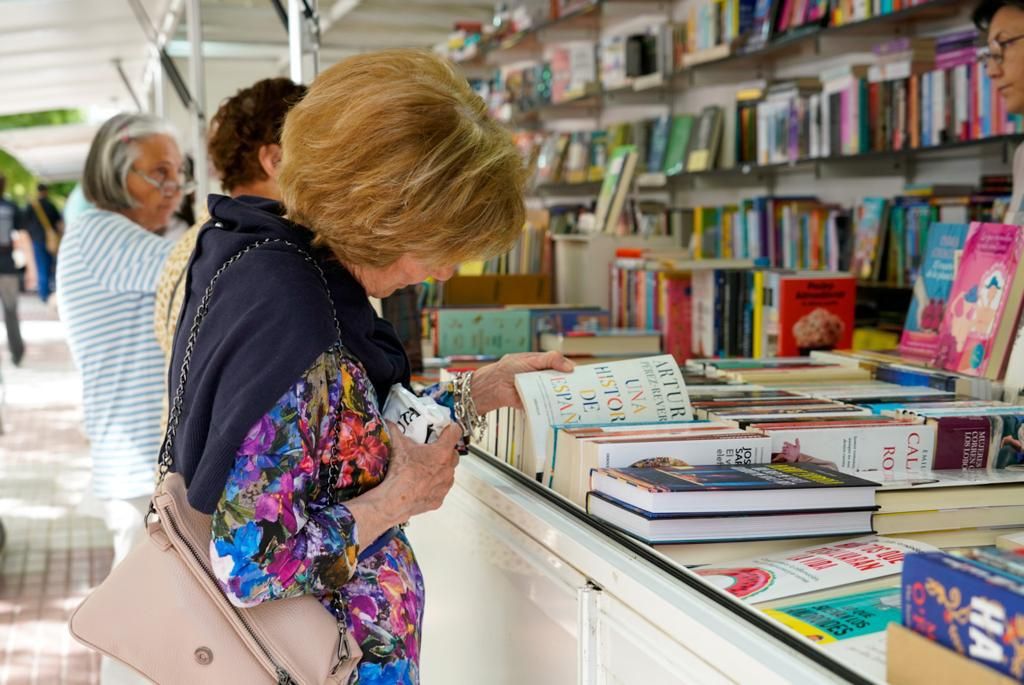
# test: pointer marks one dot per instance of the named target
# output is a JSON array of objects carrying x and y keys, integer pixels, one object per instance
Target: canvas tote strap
[{"x": 41, "y": 215}]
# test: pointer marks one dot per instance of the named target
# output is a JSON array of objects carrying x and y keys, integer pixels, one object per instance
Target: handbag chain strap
[{"x": 174, "y": 418}]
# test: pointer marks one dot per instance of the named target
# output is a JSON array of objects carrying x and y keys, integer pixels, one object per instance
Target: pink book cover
[
  {"x": 977, "y": 300},
  {"x": 845, "y": 127}
]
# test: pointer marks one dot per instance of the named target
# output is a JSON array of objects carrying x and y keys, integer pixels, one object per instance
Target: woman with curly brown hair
[{"x": 244, "y": 148}]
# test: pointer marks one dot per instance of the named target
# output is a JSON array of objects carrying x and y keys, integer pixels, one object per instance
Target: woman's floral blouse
[{"x": 276, "y": 533}]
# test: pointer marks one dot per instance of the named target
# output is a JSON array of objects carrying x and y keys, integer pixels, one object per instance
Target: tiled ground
[{"x": 53, "y": 554}]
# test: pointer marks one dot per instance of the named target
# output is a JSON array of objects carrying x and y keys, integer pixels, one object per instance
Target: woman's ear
[{"x": 270, "y": 159}]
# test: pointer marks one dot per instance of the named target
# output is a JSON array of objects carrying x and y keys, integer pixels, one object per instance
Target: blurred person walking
[
  {"x": 43, "y": 222},
  {"x": 9, "y": 283},
  {"x": 108, "y": 266}
]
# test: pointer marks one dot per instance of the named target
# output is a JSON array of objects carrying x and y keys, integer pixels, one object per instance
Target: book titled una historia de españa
[{"x": 646, "y": 390}]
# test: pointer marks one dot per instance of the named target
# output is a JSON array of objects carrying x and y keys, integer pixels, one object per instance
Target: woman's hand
[
  {"x": 493, "y": 386},
  {"x": 419, "y": 476}
]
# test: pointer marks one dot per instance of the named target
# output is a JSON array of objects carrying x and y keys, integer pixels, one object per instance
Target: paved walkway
[{"x": 53, "y": 554}]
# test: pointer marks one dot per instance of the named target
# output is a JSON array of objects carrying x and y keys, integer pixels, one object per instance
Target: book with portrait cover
[
  {"x": 645, "y": 390},
  {"x": 984, "y": 302},
  {"x": 931, "y": 290}
]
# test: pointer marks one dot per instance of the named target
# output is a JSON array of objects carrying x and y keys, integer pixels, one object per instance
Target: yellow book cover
[
  {"x": 698, "y": 233},
  {"x": 758, "y": 313}
]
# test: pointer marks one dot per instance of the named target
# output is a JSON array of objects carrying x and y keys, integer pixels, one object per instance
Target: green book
[
  {"x": 678, "y": 144},
  {"x": 491, "y": 332},
  {"x": 618, "y": 177}
]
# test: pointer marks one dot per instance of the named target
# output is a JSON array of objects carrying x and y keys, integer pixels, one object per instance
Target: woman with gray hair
[{"x": 108, "y": 264}]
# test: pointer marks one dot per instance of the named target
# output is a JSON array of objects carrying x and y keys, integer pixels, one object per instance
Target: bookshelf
[{"x": 714, "y": 77}]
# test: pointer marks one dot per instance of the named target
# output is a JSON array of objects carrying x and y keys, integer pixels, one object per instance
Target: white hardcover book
[
  {"x": 882, "y": 453},
  {"x": 646, "y": 390}
]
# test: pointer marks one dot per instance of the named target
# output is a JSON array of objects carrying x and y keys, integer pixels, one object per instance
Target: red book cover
[
  {"x": 677, "y": 318},
  {"x": 962, "y": 442},
  {"x": 816, "y": 312},
  {"x": 875, "y": 112}
]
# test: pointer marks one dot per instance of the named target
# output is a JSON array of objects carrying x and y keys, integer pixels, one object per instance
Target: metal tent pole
[
  {"x": 303, "y": 23},
  {"x": 197, "y": 77}
]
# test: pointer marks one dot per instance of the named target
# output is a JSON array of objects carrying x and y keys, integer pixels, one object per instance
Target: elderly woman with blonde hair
[{"x": 392, "y": 172}]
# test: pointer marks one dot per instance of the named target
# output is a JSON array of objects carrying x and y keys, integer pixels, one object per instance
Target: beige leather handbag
[{"x": 162, "y": 612}]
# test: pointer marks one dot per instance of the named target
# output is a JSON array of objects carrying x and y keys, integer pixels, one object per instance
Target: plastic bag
[{"x": 420, "y": 418}]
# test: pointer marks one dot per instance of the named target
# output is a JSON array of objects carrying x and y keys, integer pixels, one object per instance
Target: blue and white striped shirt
[{"x": 107, "y": 269}]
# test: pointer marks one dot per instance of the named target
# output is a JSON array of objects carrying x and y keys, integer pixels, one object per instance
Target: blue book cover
[
  {"x": 931, "y": 290},
  {"x": 968, "y": 607},
  {"x": 556, "y": 320},
  {"x": 659, "y": 144}
]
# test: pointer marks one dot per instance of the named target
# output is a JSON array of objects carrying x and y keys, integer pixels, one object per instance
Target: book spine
[{"x": 962, "y": 442}]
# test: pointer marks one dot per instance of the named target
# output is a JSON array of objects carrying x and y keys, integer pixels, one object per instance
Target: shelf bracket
[{"x": 588, "y": 617}]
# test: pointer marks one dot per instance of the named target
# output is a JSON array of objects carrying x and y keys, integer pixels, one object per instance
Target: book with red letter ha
[{"x": 646, "y": 390}]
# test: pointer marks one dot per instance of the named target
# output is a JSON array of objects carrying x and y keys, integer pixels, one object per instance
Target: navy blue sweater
[{"x": 269, "y": 319}]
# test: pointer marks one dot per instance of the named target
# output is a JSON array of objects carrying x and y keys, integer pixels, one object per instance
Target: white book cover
[
  {"x": 646, "y": 390},
  {"x": 886, "y": 452},
  {"x": 811, "y": 569}
]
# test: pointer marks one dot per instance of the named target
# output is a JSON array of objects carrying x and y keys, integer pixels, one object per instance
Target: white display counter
[{"x": 522, "y": 589}]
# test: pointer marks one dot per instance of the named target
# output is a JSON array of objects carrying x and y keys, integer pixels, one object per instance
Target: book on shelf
[
  {"x": 678, "y": 144},
  {"x": 649, "y": 389},
  {"x": 869, "y": 234},
  {"x": 985, "y": 300},
  {"x": 685, "y": 527},
  {"x": 614, "y": 341},
  {"x": 811, "y": 570},
  {"x": 706, "y": 141},
  {"x": 970, "y": 603},
  {"x": 931, "y": 290},
  {"x": 754, "y": 489},
  {"x": 808, "y": 311},
  {"x": 618, "y": 179}
]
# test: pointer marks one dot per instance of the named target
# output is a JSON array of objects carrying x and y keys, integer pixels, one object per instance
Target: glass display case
[{"x": 523, "y": 587}]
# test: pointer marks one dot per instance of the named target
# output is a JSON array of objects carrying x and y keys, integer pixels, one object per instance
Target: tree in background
[{"x": 21, "y": 183}]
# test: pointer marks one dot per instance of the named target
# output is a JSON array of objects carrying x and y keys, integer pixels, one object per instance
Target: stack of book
[{"x": 684, "y": 504}]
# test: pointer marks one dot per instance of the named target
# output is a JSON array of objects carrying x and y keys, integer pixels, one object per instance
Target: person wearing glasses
[
  {"x": 108, "y": 265},
  {"x": 1003, "y": 22}
]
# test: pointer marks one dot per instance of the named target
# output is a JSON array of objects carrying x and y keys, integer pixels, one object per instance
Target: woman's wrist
[
  {"x": 471, "y": 403},
  {"x": 374, "y": 512},
  {"x": 484, "y": 400}
]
